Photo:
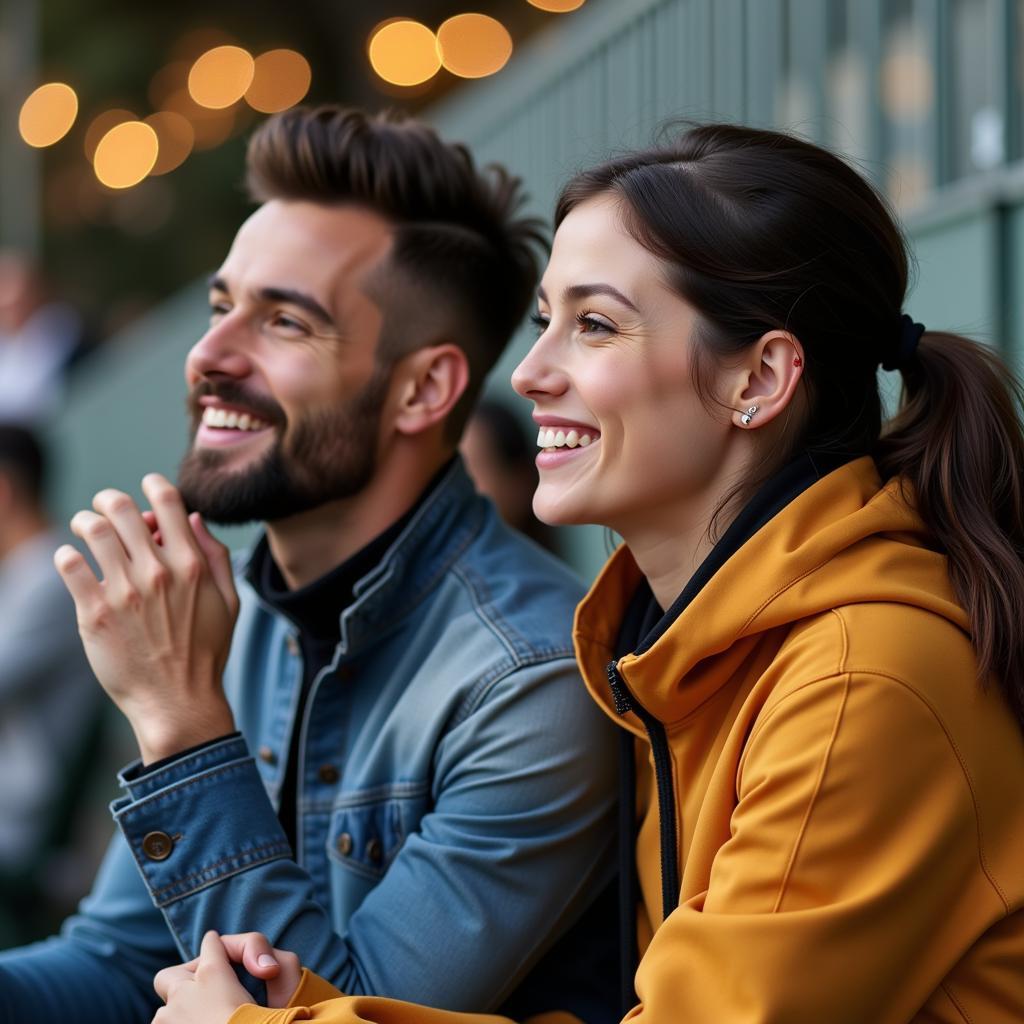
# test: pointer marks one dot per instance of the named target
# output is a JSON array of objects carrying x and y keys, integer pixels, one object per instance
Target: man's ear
[
  {"x": 769, "y": 375},
  {"x": 431, "y": 381}
]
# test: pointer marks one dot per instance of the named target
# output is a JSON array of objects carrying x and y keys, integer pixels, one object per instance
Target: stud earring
[
  {"x": 748, "y": 415},
  {"x": 798, "y": 361}
]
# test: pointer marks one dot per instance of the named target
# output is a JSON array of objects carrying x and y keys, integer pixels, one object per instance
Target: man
[
  {"x": 439, "y": 785},
  {"x": 49, "y": 703}
]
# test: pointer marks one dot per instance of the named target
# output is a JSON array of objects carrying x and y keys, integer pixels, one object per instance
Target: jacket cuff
[
  {"x": 177, "y": 830},
  {"x": 139, "y": 780}
]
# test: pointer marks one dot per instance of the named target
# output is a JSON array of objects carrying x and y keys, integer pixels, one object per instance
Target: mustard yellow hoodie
[{"x": 848, "y": 801}]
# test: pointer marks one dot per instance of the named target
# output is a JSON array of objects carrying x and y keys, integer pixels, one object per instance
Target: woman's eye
[
  {"x": 591, "y": 325},
  {"x": 539, "y": 322},
  {"x": 219, "y": 309}
]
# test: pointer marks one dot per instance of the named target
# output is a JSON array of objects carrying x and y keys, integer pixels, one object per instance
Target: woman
[{"x": 814, "y": 631}]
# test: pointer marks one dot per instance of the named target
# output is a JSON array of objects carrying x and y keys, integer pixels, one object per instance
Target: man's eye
[{"x": 282, "y": 323}]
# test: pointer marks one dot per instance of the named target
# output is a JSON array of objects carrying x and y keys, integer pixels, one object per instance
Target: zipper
[{"x": 625, "y": 701}]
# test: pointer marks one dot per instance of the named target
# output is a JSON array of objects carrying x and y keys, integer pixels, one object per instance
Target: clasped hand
[
  {"x": 207, "y": 991},
  {"x": 157, "y": 626}
]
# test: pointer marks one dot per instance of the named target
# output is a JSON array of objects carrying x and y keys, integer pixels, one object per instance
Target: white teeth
[
  {"x": 549, "y": 437},
  {"x": 230, "y": 420}
]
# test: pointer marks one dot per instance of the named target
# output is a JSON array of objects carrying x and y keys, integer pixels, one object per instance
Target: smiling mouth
[
  {"x": 552, "y": 438},
  {"x": 229, "y": 419}
]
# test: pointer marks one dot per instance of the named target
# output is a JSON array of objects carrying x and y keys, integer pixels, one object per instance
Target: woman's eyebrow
[{"x": 576, "y": 292}]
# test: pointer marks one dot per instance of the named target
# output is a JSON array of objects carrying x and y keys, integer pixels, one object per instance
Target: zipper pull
[{"x": 620, "y": 695}]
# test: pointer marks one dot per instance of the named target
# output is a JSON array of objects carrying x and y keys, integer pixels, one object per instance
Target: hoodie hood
[{"x": 845, "y": 540}]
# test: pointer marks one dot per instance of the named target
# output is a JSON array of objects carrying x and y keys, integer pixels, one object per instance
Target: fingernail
[{"x": 266, "y": 960}]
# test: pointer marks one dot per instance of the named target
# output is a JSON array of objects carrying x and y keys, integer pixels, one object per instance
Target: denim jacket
[{"x": 456, "y": 794}]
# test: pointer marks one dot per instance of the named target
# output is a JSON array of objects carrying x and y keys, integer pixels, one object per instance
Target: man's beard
[{"x": 326, "y": 455}]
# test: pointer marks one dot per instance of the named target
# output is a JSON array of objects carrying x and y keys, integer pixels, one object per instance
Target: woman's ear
[
  {"x": 770, "y": 373},
  {"x": 431, "y": 381}
]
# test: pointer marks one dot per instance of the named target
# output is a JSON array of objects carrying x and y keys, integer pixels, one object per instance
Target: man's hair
[
  {"x": 22, "y": 461},
  {"x": 463, "y": 265}
]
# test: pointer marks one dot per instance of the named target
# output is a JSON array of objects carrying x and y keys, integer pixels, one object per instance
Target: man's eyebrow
[
  {"x": 583, "y": 291},
  {"x": 300, "y": 299},
  {"x": 290, "y": 295}
]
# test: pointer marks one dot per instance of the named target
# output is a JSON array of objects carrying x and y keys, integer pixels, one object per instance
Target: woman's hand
[
  {"x": 203, "y": 991},
  {"x": 206, "y": 990}
]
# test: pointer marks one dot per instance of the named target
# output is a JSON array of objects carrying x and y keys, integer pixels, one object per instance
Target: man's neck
[{"x": 309, "y": 545}]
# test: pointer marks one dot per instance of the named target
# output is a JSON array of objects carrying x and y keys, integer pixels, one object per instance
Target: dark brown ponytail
[
  {"x": 761, "y": 230},
  {"x": 957, "y": 442}
]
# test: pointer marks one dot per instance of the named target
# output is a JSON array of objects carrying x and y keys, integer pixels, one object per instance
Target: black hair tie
[{"x": 905, "y": 349}]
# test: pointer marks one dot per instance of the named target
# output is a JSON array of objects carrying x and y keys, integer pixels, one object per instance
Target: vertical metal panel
[
  {"x": 763, "y": 51},
  {"x": 728, "y": 64}
]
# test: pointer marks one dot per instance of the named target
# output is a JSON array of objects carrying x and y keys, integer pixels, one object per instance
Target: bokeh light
[
  {"x": 281, "y": 78},
  {"x": 558, "y": 6},
  {"x": 126, "y": 154},
  {"x": 48, "y": 114},
  {"x": 404, "y": 52},
  {"x": 473, "y": 45},
  {"x": 211, "y": 127},
  {"x": 175, "y": 136},
  {"x": 100, "y": 125},
  {"x": 220, "y": 77}
]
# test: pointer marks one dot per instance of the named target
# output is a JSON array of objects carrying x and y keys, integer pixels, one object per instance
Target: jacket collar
[{"x": 439, "y": 530}]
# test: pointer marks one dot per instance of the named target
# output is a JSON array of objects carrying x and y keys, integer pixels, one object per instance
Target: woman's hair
[{"x": 760, "y": 231}]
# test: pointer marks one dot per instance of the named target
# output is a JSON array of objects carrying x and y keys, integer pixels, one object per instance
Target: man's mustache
[{"x": 233, "y": 394}]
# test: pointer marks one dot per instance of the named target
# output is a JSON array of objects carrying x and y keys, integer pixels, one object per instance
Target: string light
[
  {"x": 281, "y": 78},
  {"x": 126, "y": 154},
  {"x": 48, "y": 114},
  {"x": 404, "y": 52},
  {"x": 473, "y": 45},
  {"x": 220, "y": 77}
]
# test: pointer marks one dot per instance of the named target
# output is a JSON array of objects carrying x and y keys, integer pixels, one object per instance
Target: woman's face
[{"x": 625, "y": 440}]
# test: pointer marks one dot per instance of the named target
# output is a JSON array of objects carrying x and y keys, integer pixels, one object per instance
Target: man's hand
[
  {"x": 157, "y": 628},
  {"x": 204, "y": 991},
  {"x": 208, "y": 984}
]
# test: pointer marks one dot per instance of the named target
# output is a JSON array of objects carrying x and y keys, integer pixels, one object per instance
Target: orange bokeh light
[
  {"x": 100, "y": 125},
  {"x": 47, "y": 114},
  {"x": 558, "y": 6},
  {"x": 220, "y": 77},
  {"x": 176, "y": 138},
  {"x": 281, "y": 79},
  {"x": 126, "y": 154},
  {"x": 473, "y": 45},
  {"x": 404, "y": 52}
]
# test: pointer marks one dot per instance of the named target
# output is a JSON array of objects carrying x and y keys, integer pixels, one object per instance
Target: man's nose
[{"x": 224, "y": 350}]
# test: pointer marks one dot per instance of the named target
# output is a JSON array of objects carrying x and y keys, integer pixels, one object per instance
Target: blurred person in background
[
  {"x": 499, "y": 457},
  {"x": 50, "y": 705},
  {"x": 40, "y": 337},
  {"x": 430, "y": 809}
]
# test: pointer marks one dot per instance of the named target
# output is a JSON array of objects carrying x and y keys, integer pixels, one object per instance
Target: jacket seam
[
  {"x": 274, "y": 851},
  {"x": 812, "y": 802},
  {"x": 482, "y": 687},
  {"x": 165, "y": 793},
  {"x": 956, "y": 1002}
]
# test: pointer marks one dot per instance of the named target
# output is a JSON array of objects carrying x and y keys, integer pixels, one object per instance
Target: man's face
[{"x": 285, "y": 392}]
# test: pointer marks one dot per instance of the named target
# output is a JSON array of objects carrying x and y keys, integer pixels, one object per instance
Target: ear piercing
[
  {"x": 798, "y": 361},
  {"x": 748, "y": 415}
]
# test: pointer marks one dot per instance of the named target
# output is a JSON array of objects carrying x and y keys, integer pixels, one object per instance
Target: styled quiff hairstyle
[{"x": 464, "y": 261}]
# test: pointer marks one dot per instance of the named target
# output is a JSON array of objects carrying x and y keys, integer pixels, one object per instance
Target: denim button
[
  {"x": 374, "y": 851},
  {"x": 328, "y": 773},
  {"x": 344, "y": 844},
  {"x": 267, "y": 756},
  {"x": 157, "y": 845}
]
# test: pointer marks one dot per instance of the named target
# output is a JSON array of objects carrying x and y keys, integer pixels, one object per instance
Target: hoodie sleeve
[{"x": 840, "y": 890}]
